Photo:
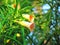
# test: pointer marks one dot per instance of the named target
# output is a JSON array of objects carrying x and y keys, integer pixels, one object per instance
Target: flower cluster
[{"x": 30, "y": 24}]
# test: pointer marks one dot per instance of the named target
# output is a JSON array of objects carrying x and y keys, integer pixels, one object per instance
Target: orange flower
[
  {"x": 29, "y": 25},
  {"x": 29, "y": 17}
]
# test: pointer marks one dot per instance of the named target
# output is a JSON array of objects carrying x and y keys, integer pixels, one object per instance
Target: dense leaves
[{"x": 28, "y": 22}]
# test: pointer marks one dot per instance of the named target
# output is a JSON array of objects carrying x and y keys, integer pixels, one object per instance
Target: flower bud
[{"x": 14, "y": 6}]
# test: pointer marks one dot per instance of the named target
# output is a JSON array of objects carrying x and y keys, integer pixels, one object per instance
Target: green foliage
[{"x": 9, "y": 29}]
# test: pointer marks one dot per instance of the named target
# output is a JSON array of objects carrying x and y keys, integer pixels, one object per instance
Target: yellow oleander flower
[
  {"x": 29, "y": 25},
  {"x": 28, "y": 17}
]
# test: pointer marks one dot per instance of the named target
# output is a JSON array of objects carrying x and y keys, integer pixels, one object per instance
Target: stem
[{"x": 22, "y": 28}]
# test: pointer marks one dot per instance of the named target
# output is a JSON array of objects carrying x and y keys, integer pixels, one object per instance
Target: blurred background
[{"x": 45, "y": 14}]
